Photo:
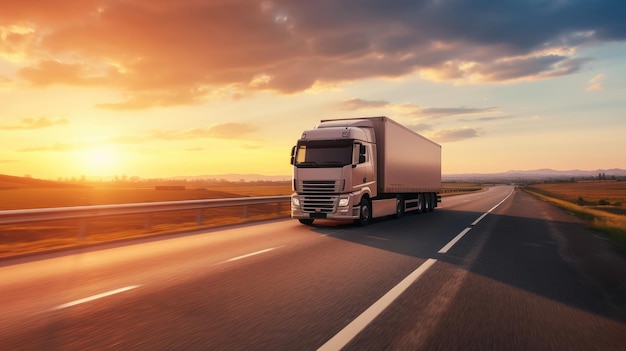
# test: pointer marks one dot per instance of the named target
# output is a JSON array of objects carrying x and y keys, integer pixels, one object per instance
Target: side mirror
[
  {"x": 362, "y": 158},
  {"x": 293, "y": 155}
]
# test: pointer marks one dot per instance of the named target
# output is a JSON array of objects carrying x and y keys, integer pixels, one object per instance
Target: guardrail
[
  {"x": 459, "y": 190},
  {"x": 84, "y": 212}
]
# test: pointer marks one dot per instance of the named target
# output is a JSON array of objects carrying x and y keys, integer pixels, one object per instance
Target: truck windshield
[{"x": 324, "y": 153}]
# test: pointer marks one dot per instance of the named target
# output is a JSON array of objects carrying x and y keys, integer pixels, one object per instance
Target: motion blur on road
[{"x": 488, "y": 270}]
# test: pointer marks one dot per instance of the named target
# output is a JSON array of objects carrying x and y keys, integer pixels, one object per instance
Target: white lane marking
[
  {"x": 377, "y": 237},
  {"x": 342, "y": 338},
  {"x": 250, "y": 254},
  {"x": 95, "y": 297},
  {"x": 500, "y": 203},
  {"x": 348, "y": 333},
  {"x": 449, "y": 245},
  {"x": 480, "y": 218},
  {"x": 453, "y": 241}
]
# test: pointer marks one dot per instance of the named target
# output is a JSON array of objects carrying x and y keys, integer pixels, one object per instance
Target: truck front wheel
[{"x": 365, "y": 213}]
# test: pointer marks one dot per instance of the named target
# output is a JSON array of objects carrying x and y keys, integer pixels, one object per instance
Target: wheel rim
[{"x": 365, "y": 212}]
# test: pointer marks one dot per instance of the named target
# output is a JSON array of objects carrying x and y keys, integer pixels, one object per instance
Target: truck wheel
[
  {"x": 433, "y": 201},
  {"x": 427, "y": 202},
  {"x": 306, "y": 221},
  {"x": 420, "y": 203},
  {"x": 399, "y": 206},
  {"x": 365, "y": 213}
]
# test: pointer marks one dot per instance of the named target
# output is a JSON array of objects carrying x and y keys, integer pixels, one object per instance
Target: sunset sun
[{"x": 101, "y": 160}]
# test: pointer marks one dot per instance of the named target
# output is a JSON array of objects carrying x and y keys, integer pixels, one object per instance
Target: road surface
[{"x": 488, "y": 270}]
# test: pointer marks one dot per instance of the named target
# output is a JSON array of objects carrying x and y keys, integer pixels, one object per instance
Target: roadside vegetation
[
  {"x": 24, "y": 193},
  {"x": 601, "y": 204},
  {"x": 457, "y": 188},
  {"x": 23, "y": 238}
]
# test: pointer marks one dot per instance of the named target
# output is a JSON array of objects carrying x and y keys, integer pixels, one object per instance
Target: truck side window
[
  {"x": 359, "y": 153},
  {"x": 301, "y": 155},
  {"x": 355, "y": 153},
  {"x": 363, "y": 154}
]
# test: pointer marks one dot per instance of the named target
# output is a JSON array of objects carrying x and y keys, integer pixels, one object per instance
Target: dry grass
[
  {"x": 608, "y": 220},
  {"x": 43, "y": 198},
  {"x": 41, "y": 236},
  {"x": 610, "y": 191}
]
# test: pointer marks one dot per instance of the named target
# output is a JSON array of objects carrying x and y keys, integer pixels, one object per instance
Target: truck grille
[
  {"x": 319, "y": 195},
  {"x": 320, "y": 187},
  {"x": 318, "y": 203}
]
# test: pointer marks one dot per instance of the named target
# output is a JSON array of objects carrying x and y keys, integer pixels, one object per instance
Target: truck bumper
[
  {"x": 301, "y": 210},
  {"x": 332, "y": 216}
]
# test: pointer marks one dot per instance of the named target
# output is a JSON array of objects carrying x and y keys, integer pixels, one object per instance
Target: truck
[{"x": 357, "y": 169}]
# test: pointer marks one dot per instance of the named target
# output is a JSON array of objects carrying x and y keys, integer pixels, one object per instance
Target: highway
[{"x": 488, "y": 270}]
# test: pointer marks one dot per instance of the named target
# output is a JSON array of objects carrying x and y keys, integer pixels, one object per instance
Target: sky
[{"x": 159, "y": 88}]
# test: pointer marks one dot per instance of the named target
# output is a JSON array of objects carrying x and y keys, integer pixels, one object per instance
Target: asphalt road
[{"x": 489, "y": 270}]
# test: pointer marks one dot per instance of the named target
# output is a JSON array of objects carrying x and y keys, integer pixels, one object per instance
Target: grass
[
  {"x": 603, "y": 219},
  {"x": 11, "y": 199},
  {"x": 589, "y": 193},
  {"x": 458, "y": 188},
  {"x": 41, "y": 236}
]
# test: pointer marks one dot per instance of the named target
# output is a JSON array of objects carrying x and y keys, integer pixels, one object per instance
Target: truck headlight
[
  {"x": 343, "y": 202},
  {"x": 295, "y": 201}
]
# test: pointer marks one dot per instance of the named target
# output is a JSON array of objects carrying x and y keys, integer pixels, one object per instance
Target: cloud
[
  {"x": 448, "y": 135},
  {"x": 420, "y": 127},
  {"x": 452, "y": 111},
  {"x": 53, "y": 72},
  {"x": 421, "y": 112},
  {"x": 484, "y": 119},
  {"x": 164, "y": 53},
  {"x": 218, "y": 131},
  {"x": 595, "y": 83},
  {"x": 35, "y": 123},
  {"x": 239, "y": 131},
  {"x": 55, "y": 147},
  {"x": 357, "y": 104},
  {"x": 538, "y": 67}
]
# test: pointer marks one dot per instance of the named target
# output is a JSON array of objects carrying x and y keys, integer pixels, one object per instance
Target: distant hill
[
  {"x": 536, "y": 175},
  {"x": 13, "y": 182}
]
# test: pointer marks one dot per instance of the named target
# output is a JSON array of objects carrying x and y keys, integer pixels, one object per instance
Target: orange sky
[{"x": 156, "y": 88}]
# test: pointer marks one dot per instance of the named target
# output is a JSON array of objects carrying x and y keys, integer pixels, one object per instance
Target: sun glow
[{"x": 101, "y": 160}]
